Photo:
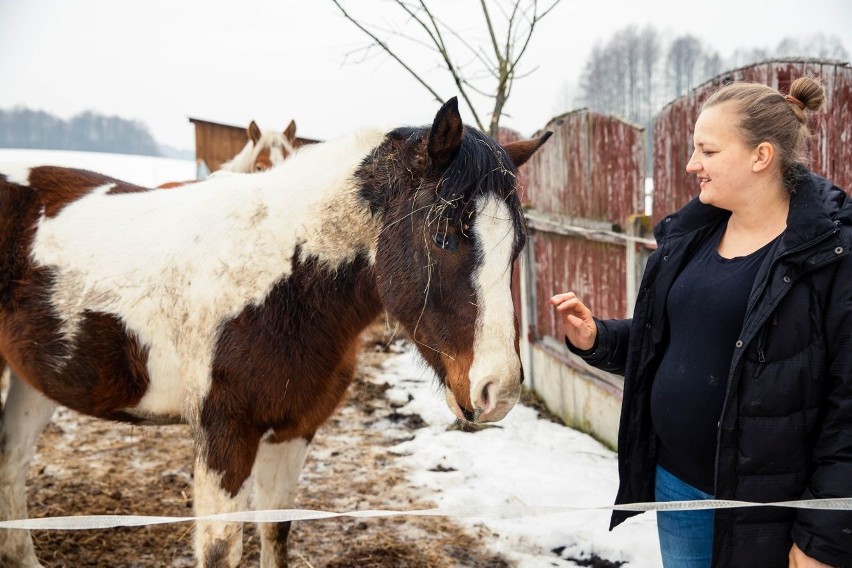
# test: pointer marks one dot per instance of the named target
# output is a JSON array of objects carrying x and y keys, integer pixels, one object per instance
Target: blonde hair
[{"x": 768, "y": 116}]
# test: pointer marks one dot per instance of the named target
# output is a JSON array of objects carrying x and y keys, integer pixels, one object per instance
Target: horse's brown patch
[
  {"x": 174, "y": 184},
  {"x": 19, "y": 211},
  {"x": 103, "y": 370},
  {"x": 294, "y": 387},
  {"x": 263, "y": 160},
  {"x": 458, "y": 371},
  {"x": 58, "y": 187}
]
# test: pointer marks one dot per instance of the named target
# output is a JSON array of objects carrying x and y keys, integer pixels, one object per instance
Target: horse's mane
[
  {"x": 240, "y": 161},
  {"x": 481, "y": 166}
]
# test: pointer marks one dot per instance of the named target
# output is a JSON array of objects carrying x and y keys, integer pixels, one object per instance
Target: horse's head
[
  {"x": 452, "y": 225},
  {"x": 270, "y": 147}
]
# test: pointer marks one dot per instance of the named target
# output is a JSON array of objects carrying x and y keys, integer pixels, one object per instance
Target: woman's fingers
[{"x": 577, "y": 321}]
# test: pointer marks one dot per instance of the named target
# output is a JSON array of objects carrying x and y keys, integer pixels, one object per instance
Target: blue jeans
[{"x": 686, "y": 537}]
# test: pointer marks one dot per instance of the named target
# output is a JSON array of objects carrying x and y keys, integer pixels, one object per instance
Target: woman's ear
[{"x": 762, "y": 156}]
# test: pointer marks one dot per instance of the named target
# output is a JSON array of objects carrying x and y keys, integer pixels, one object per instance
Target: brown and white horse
[
  {"x": 235, "y": 304},
  {"x": 264, "y": 149}
]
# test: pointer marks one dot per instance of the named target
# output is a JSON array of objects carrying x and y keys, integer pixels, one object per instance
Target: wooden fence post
[
  {"x": 639, "y": 226},
  {"x": 528, "y": 323}
]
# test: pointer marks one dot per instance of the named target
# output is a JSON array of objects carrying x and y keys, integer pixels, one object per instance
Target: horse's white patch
[
  {"x": 276, "y": 472},
  {"x": 494, "y": 357},
  {"x": 209, "y": 499},
  {"x": 17, "y": 172},
  {"x": 174, "y": 264},
  {"x": 25, "y": 414}
]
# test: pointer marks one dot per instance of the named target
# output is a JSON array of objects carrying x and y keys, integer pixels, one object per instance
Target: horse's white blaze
[
  {"x": 174, "y": 264},
  {"x": 496, "y": 365}
]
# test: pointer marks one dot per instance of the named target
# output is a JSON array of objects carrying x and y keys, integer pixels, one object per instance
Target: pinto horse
[
  {"x": 235, "y": 304},
  {"x": 264, "y": 149}
]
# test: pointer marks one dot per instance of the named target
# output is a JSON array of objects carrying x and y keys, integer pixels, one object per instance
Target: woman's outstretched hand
[{"x": 577, "y": 322}]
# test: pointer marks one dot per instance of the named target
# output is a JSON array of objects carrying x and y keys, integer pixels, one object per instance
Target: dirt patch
[{"x": 85, "y": 466}]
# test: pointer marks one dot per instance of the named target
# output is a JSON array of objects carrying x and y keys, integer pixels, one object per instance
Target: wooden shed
[{"x": 216, "y": 143}]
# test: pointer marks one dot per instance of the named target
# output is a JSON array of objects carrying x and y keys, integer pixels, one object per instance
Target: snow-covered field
[{"x": 146, "y": 171}]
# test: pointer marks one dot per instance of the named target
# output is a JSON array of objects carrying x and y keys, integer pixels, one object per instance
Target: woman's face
[{"x": 720, "y": 159}]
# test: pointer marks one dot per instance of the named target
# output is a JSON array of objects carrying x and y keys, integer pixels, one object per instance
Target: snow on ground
[
  {"x": 526, "y": 462},
  {"x": 147, "y": 171}
]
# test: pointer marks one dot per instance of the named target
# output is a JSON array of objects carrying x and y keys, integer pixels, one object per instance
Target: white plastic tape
[{"x": 83, "y": 522}]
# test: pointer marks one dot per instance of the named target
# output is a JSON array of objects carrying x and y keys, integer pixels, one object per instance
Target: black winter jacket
[{"x": 786, "y": 427}]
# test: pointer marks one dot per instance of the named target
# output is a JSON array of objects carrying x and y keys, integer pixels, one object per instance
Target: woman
[{"x": 738, "y": 360}]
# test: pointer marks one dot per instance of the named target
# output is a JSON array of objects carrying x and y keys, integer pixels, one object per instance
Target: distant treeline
[{"x": 25, "y": 128}]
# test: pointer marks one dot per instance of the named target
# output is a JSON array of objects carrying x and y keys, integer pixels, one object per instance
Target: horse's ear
[
  {"x": 253, "y": 132},
  {"x": 521, "y": 151},
  {"x": 290, "y": 131},
  {"x": 446, "y": 134}
]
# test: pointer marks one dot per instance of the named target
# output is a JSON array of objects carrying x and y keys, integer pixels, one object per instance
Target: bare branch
[
  {"x": 388, "y": 50},
  {"x": 490, "y": 59},
  {"x": 435, "y": 34}
]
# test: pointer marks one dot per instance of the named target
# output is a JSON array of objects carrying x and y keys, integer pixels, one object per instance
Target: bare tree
[
  {"x": 683, "y": 63},
  {"x": 815, "y": 45},
  {"x": 649, "y": 46},
  {"x": 495, "y": 59},
  {"x": 619, "y": 77}
]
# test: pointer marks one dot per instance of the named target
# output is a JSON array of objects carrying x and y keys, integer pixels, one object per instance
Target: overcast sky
[{"x": 163, "y": 61}]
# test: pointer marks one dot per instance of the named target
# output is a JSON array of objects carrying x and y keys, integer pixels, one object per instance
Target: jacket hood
[{"x": 816, "y": 206}]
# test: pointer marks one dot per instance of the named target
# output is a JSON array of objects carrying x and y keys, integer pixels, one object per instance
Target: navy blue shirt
[{"x": 705, "y": 310}]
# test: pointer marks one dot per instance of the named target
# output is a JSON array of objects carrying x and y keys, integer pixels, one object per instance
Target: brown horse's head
[
  {"x": 264, "y": 149},
  {"x": 452, "y": 227},
  {"x": 271, "y": 147}
]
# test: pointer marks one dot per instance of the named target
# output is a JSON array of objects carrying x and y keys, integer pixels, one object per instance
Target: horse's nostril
[{"x": 486, "y": 399}]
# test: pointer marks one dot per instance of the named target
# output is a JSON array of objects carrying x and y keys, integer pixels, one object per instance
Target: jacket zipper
[
  {"x": 761, "y": 345},
  {"x": 761, "y": 354}
]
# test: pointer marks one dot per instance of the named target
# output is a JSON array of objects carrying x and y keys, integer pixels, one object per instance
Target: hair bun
[{"x": 806, "y": 93}]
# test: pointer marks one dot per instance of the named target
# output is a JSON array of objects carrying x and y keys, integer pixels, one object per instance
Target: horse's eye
[{"x": 446, "y": 241}]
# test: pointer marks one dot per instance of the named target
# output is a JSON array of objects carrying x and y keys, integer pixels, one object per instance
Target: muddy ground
[{"x": 86, "y": 466}]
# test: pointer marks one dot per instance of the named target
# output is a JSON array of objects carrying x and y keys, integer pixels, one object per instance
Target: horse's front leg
[
  {"x": 276, "y": 473},
  {"x": 24, "y": 416},
  {"x": 222, "y": 468}
]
